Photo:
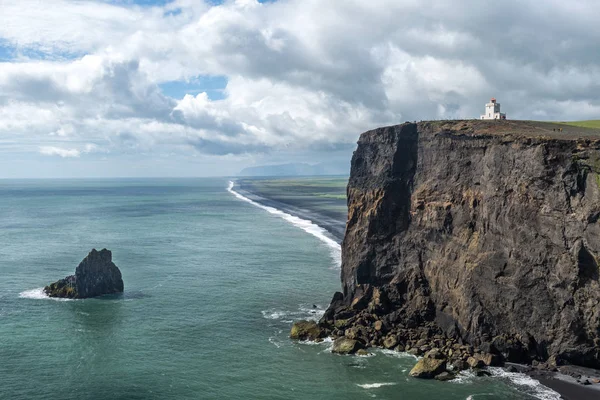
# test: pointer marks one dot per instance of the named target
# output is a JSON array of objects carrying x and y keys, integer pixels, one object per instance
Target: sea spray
[
  {"x": 39, "y": 294},
  {"x": 308, "y": 226},
  {"x": 526, "y": 383}
]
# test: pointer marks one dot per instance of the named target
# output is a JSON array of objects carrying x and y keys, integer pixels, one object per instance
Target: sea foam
[
  {"x": 287, "y": 316},
  {"x": 309, "y": 227},
  {"x": 375, "y": 385},
  {"x": 39, "y": 294},
  {"x": 535, "y": 388}
]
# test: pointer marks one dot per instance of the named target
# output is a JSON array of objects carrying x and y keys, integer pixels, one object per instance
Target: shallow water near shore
[{"x": 212, "y": 284}]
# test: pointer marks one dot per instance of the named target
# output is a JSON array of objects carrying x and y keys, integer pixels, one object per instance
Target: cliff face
[{"x": 487, "y": 231}]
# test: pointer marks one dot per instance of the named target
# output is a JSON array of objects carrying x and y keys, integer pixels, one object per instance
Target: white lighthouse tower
[{"x": 492, "y": 111}]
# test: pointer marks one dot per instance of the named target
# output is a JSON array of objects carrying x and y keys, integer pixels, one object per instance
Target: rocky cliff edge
[{"x": 475, "y": 238}]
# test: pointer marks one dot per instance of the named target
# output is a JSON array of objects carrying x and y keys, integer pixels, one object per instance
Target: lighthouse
[{"x": 492, "y": 110}]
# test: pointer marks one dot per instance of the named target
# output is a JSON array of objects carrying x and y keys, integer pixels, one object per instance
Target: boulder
[
  {"x": 340, "y": 323},
  {"x": 481, "y": 372},
  {"x": 357, "y": 333},
  {"x": 305, "y": 330},
  {"x": 414, "y": 351},
  {"x": 95, "y": 276},
  {"x": 474, "y": 362},
  {"x": 390, "y": 342},
  {"x": 428, "y": 368},
  {"x": 344, "y": 345},
  {"x": 435, "y": 353},
  {"x": 378, "y": 325},
  {"x": 379, "y": 302},
  {"x": 460, "y": 365},
  {"x": 490, "y": 360},
  {"x": 445, "y": 376}
]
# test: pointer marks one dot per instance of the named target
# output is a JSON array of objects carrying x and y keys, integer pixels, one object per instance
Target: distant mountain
[{"x": 296, "y": 169}]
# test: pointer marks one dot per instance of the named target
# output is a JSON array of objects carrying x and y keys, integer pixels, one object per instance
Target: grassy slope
[{"x": 594, "y": 123}]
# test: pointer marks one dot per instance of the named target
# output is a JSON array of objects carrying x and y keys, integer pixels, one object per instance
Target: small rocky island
[
  {"x": 472, "y": 244},
  {"x": 95, "y": 276}
]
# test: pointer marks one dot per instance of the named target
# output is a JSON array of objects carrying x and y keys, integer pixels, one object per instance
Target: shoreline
[
  {"x": 334, "y": 227},
  {"x": 566, "y": 385},
  {"x": 561, "y": 382},
  {"x": 305, "y": 223}
]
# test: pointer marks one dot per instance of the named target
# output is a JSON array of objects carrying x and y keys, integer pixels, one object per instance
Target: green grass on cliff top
[{"x": 594, "y": 123}]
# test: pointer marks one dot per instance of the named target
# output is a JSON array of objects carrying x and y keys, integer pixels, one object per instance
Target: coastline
[
  {"x": 561, "y": 382},
  {"x": 297, "y": 208},
  {"x": 564, "y": 382},
  {"x": 303, "y": 221}
]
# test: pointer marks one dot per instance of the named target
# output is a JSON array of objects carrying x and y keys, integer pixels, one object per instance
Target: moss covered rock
[
  {"x": 428, "y": 368},
  {"x": 344, "y": 345},
  {"x": 305, "y": 330},
  {"x": 64, "y": 288}
]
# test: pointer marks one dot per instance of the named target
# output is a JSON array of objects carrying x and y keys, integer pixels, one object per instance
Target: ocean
[{"x": 213, "y": 282}]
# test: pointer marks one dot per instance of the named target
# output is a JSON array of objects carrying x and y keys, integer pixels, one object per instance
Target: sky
[{"x": 126, "y": 88}]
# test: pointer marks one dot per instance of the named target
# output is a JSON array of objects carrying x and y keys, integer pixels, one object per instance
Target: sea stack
[
  {"x": 477, "y": 240},
  {"x": 95, "y": 276}
]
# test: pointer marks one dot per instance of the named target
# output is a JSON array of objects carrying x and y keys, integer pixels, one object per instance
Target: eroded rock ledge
[{"x": 476, "y": 239}]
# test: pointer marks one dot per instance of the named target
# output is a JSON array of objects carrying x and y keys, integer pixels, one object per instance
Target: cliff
[
  {"x": 96, "y": 275},
  {"x": 475, "y": 236}
]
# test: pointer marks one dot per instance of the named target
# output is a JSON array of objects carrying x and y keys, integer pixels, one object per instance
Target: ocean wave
[
  {"x": 39, "y": 294},
  {"x": 534, "y": 387},
  {"x": 375, "y": 385},
  {"x": 397, "y": 354},
  {"x": 308, "y": 226},
  {"x": 466, "y": 376},
  {"x": 288, "y": 316},
  {"x": 326, "y": 341}
]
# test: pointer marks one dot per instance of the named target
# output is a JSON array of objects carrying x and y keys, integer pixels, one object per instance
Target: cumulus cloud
[
  {"x": 301, "y": 74},
  {"x": 59, "y": 151},
  {"x": 69, "y": 152}
]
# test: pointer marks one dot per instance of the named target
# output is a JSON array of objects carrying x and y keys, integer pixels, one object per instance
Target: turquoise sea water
[{"x": 212, "y": 283}]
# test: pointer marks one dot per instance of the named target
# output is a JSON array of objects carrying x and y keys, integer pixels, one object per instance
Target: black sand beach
[
  {"x": 568, "y": 382},
  {"x": 319, "y": 200}
]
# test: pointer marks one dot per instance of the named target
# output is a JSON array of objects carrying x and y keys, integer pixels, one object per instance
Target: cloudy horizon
[{"x": 207, "y": 88}]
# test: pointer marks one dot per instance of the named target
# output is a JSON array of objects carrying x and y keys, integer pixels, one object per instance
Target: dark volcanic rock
[
  {"x": 95, "y": 276},
  {"x": 485, "y": 233}
]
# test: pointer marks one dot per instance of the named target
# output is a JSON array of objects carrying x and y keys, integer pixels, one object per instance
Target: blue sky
[{"x": 203, "y": 88}]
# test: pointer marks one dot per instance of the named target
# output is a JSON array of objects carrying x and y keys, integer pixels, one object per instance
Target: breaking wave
[
  {"x": 526, "y": 383},
  {"x": 375, "y": 385},
  {"x": 303, "y": 312},
  {"x": 39, "y": 294}
]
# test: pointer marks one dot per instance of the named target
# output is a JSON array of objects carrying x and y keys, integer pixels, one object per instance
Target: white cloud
[
  {"x": 302, "y": 74},
  {"x": 59, "y": 151}
]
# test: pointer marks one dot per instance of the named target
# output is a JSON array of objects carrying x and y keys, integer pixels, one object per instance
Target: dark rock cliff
[
  {"x": 485, "y": 232},
  {"x": 96, "y": 275}
]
